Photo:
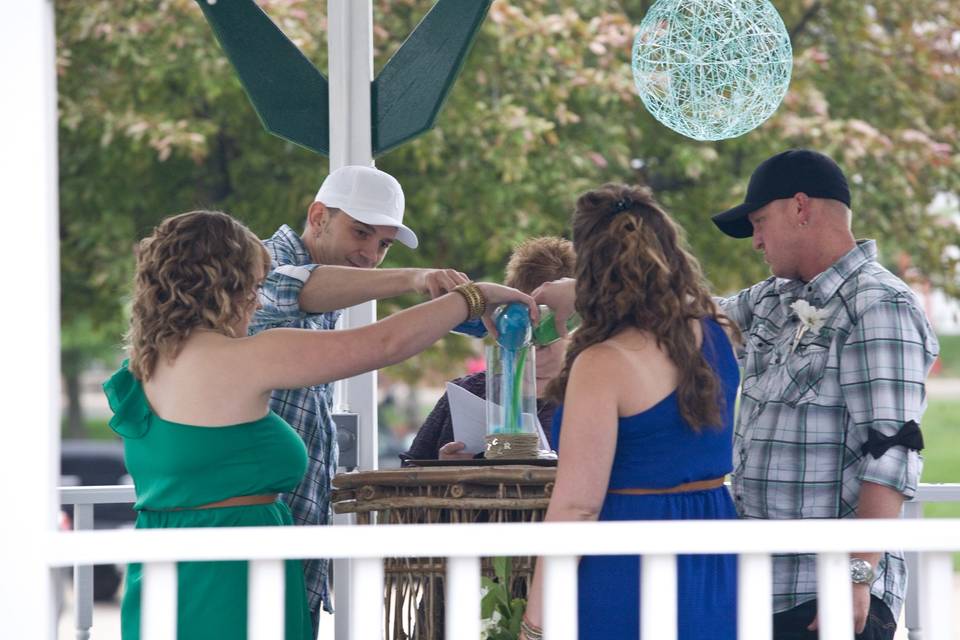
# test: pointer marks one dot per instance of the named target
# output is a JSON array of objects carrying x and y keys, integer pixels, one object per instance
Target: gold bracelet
[
  {"x": 479, "y": 303},
  {"x": 476, "y": 303},
  {"x": 481, "y": 300},
  {"x": 468, "y": 298},
  {"x": 529, "y": 630}
]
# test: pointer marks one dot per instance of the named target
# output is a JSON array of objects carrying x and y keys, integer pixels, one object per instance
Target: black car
[{"x": 93, "y": 463}]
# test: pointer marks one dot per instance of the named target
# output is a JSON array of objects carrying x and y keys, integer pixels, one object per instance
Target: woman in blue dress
[{"x": 645, "y": 428}]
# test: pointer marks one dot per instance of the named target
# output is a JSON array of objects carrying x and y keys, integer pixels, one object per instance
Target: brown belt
[
  {"x": 239, "y": 501},
  {"x": 699, "y": 485}
]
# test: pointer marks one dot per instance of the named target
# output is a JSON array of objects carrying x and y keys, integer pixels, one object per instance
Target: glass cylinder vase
[{"x": 511, "y": 402}]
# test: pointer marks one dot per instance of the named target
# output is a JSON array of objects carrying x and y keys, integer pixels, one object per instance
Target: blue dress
[{"x": 656, "y": 449}]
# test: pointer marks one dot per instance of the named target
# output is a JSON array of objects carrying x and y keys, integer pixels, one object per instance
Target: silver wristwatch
[{"x": 861, "y": 571}]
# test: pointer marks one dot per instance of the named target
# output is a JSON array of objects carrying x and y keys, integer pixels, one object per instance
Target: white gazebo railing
[
  {"x": 916, "y": 617},
  {"x": 928, "y": 543}
]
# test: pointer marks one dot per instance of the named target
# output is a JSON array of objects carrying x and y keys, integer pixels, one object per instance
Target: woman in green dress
[{"x": 191, "y": 403}]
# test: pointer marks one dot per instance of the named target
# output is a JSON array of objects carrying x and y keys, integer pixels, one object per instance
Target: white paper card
[{"x": 469, "y": 415}]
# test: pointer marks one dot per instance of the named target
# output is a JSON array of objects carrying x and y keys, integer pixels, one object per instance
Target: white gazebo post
[
  {"x": 29, "y": 324},
  {"x": 351, "y": 73},
  {"x": 350, "y": 45}
]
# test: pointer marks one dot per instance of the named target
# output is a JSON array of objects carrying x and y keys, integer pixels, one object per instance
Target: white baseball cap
[{"x": 369, "y": 196}]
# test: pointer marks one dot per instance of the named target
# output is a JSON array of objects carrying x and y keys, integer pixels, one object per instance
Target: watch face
[{"x": 860, "y": 570}]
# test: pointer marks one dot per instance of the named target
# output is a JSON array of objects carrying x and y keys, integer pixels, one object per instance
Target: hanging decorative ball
[{"x": 712, "y": 69}]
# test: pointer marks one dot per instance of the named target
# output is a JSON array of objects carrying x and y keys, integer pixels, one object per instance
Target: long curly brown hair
[
  {"x": 196, "y": 270},
  {"x": 633, "y": 270}
]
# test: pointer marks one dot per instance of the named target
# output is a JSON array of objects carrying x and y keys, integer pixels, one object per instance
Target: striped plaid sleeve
[
  {"x": 280, "y": 297},
  {"x": 739, "y": 308},
  {"x": 883, "y": 371}
]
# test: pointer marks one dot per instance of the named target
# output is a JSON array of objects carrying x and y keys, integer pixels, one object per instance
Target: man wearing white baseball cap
[
  {"x": 352, "y": 223},
  {"x": 369, "y": 196}
]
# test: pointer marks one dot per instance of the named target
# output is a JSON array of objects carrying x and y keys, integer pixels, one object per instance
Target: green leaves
[
  {"x": 500, "y": 614},
  {"x": 154, "y": 122}
]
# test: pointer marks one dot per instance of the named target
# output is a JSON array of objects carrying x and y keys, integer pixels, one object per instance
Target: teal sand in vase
[{"x": 511, "y": 387}]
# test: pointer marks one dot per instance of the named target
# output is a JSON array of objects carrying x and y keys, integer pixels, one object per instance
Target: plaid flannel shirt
[
  {"x": 805, "y": 409},
  {"x": 307, "y": 410}
]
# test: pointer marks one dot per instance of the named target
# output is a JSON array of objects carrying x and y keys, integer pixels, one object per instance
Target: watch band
[{"x": 861, "y": 571}]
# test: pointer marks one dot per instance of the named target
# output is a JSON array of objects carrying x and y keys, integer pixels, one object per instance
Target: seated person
[{"x": 532, "y": 263}]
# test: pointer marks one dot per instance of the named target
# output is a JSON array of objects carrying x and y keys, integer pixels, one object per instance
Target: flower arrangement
[
  {"x": 500, "y": 614},
  {"x": 811, "y": 319}
]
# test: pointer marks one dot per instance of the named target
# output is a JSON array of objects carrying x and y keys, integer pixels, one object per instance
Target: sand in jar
[{"x": 512, "y": 387}]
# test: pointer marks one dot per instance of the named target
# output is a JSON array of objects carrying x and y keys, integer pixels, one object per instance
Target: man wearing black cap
[{"x": 837, "y": 351}]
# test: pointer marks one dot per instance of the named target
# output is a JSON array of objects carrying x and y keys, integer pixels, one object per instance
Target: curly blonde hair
[
  {"x": 196, "y": 270},
  {"x": 633, "y": 270}
]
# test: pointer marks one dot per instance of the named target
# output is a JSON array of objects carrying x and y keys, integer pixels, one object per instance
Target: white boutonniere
[{"x": 811, "y": 319}]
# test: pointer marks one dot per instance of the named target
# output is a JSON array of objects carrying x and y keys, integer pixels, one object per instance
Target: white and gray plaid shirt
[
  {"x": 805, "y": 412},
  {"x": 307, "y": 410}
]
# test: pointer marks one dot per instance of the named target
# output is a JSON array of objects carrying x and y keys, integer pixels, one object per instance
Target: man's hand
[
  {"x": 861, "y": 607},
  {"x": 437, "y": 282},
  {"x": 559, "y": 295},
  {"x": 454, "y": 451}
]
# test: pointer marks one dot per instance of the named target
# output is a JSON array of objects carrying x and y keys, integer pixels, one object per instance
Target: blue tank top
[{"x": 656, "y": 448}]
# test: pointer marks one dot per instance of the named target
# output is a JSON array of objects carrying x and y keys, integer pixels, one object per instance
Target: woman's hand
[
  {"x": 454, "y": 451},
  {"x": 559, "y": 295},
  {"x": 497, "y": 294}
]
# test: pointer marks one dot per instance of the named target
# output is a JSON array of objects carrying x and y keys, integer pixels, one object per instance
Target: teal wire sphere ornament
[{"x": 712, "y": 69}]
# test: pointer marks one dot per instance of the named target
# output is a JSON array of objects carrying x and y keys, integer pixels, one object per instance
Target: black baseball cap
[{"x": 783, "y": 176}]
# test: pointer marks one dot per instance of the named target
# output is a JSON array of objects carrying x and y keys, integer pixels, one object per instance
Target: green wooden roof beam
[
  {"x": 289, "y": 94},
  {"x": 410, "y": 90}
]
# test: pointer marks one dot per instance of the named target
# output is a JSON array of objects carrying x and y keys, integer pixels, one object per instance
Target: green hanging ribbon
[{"x": 514, "y": 420}]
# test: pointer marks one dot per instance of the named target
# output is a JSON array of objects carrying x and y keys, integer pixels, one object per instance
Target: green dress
[{"x": 175, "y": 466}]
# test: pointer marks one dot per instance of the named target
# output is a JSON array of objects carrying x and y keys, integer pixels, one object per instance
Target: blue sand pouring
[{"x": 513, "y": 325}]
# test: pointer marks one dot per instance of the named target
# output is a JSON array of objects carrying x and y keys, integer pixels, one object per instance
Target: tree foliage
[{"x": 153, "y": 121}]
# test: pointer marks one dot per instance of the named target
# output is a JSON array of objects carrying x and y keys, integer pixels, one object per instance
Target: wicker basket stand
[{"x": 413, "y": 587}]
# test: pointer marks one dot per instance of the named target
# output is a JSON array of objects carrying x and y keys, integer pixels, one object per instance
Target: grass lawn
[
  {"x": 950, "y": 355},
  {"x": 941, "y": 456},
  {"x": 941, "y": 425}
]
